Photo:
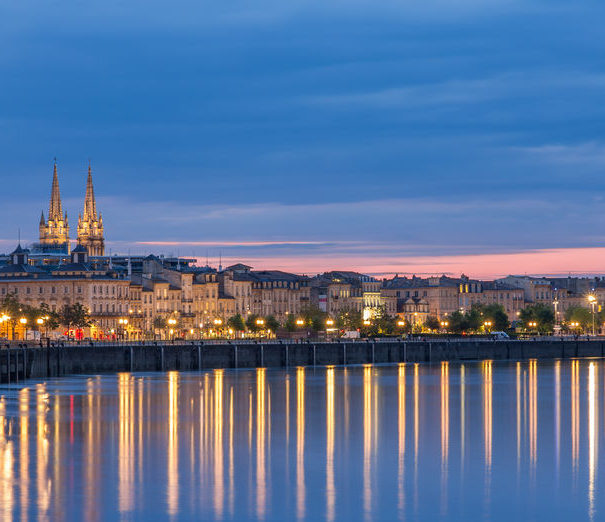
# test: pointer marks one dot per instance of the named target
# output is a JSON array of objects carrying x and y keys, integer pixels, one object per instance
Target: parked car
[{"x": 500, "y": 335}]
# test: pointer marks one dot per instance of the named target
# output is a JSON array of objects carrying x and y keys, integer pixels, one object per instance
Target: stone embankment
[{"x": 17, "y": 364}]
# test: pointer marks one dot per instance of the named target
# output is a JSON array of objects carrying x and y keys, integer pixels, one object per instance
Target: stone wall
[{"x": 17, "y": 364}]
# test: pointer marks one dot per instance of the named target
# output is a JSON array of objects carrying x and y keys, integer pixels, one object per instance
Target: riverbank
[{"x": 17, "y": 364}]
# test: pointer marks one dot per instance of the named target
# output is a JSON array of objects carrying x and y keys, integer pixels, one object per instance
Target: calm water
[{"x": 483, "y": 440}]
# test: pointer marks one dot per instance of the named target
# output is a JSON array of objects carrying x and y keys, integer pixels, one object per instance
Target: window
[
  {"x": 53, "y": 290},
  {"x": 41, "y": 290}
]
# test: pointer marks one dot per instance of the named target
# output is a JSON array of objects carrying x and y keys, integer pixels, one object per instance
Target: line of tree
[
  {"x": 475, "y": 319},
  {"x": 69, "y": 316}
]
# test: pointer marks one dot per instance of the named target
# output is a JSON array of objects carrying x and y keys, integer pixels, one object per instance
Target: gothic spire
[
  {"x": 55, "y": 211},
  {"x": 90, "y": 205}
]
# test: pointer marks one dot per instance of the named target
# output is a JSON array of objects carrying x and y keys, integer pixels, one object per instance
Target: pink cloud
[{"x": 539, "y": 262}]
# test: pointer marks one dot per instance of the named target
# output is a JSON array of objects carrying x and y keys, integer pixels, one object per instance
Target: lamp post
[
  {"x": 556, "y": 305},
  {"x": 171, "y": 322},
  {"x": 123, "y": 325},
  {"x": 487, "y": 326},
  {"x": 23, "y": 322},
  {"x": 444, "y": 325},
  {"x": 593, "y": 302}
]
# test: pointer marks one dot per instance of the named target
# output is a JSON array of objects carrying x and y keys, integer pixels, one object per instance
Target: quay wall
[{"x": 17, "y": 364}]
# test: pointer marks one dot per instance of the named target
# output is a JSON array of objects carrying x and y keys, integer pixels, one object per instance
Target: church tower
[
  {"x": 90, "y": 227},
  {"x": 54, "y": 232}
]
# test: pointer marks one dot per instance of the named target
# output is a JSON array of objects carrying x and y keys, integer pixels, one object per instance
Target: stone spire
[
  {"x": 90, "y": 225},
  {"x": 90, "y": 205},
  {"x": 55, "y": 211},
  {"x": 54, "y": 232}
]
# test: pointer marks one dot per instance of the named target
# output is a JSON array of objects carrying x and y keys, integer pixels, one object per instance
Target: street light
[
  {"x": 593, "y": 301},
  {"x": 444, "y": 324},
  {"x": 329, "y": 322},
  {"x": 260, "y": 322},
  {"x": 487, "y": 325},
  {"x": 300, "y": 322},
  {"x": 400, "y": 323},
  {"x": 367, "y": 322},
  {"x": 556, "y": 305}
]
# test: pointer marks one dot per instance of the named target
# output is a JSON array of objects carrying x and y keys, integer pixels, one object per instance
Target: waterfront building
[
  {"x": 440, "y": 293},
  {"x": 472, "y": 291},
  {"x": 104, "y": 293},
  {"x": 341, "y": 291}
]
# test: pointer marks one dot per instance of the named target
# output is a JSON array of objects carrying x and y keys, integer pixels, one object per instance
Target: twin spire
[
  {"x": 90, "y": 205},
  {"x": 54, "y": 233},
  {"x": 55, "y": 210}
]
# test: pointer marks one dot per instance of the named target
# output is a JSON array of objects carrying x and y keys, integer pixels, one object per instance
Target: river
[{"x": 481, "y": 440}]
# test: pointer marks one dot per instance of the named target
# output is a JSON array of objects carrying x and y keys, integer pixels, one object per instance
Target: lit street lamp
[
  {"x": 23, "y": 322},
  {"x": 593, "y": 302}
]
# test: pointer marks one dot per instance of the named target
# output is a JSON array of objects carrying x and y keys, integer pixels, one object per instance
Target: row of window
[{"x": 53, "y": 290}]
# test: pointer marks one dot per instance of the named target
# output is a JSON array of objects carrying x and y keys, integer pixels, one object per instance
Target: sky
[{"x": 410, "y": 137}]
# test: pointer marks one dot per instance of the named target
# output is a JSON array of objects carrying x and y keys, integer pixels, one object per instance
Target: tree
[
  {"x": 290, "y": 323},
  {"x": 271, "y": 323},
  {"x": 160, "y": 322},
  {"x": 51, "y": 318},
  {"x": 539, "y": 313},
  {"x": 458, "y": 322},
  {"x": 236, "y": 322},
  {"x": 10, "y": 306},
  {"x": 315, "y": 317},
  {"x": 381, "y": 324},
  {"x": 496, "y": 314},
  {"x": 349, "y": 320},
  {"x": 432, "y": 323},
  {"x": 251, "y": 323},
  {"x": 579, "y": 314},
  {"x": 474, "y": 317},
  {"x": 74, "y": 316}
]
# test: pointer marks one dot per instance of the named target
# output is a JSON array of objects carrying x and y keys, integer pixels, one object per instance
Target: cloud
[{"x": 591, "y": 153}]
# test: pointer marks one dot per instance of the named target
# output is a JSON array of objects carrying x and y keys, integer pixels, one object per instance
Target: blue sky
[{"x": 349, "y": 128}]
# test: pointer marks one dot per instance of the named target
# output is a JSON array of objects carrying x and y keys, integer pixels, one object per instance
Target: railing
[{"x": 195, "y": 342}]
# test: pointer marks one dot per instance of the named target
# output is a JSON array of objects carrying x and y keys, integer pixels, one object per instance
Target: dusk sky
[{"x": 410, "y": 137}]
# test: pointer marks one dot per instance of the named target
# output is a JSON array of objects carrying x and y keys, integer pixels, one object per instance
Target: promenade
[{"x": 29, "y": 362}]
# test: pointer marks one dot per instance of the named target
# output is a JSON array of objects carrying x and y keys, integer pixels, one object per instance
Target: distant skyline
[{"x": 385, "y": 138}]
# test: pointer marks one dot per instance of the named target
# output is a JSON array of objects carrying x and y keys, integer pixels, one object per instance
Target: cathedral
[{"x": 54, "y": 231}]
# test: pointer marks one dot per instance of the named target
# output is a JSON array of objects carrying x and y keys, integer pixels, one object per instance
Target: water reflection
[
  {"x": 367, "y": 441},
  {"x": 592, "y": 436},
  {"x": 445, "y": 431},
  {"x": 330, "y": 426},
  {"x": 362, "y": 443},
  {"x": 261, "y": 479},
  {"x": 401, "y": 446},
  {"x": 125, "y": 443},
  {"x": 172, "y": 483},
  {"x": 300, "y": 443},
  {"x": 575, "y": 416}
]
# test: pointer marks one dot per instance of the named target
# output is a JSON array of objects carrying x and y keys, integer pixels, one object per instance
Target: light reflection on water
[{"x": 447, "y": 441}]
